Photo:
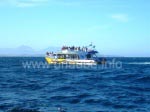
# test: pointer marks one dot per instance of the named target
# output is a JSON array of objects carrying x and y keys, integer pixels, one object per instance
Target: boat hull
[{"x": 70, "y": 61}]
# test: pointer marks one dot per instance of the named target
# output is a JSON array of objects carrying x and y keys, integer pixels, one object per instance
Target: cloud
[
  {"x": 120, "y": 17},
  {"x": 32, "y": 3},
  {"x": 68, "y": 3},
  {"x": 23, "y": 3}
]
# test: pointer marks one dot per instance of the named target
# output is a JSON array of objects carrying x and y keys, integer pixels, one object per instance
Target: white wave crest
[{"x": 139, "y": 63}]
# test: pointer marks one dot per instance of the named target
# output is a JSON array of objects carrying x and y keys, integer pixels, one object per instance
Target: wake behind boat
[{"x": 75, "y": 55}]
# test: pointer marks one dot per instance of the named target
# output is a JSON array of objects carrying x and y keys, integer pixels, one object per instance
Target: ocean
[{"x": 25, "y": 87}]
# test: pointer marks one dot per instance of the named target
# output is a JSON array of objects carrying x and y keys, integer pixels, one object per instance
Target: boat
[{"x": 75, "y": 55}]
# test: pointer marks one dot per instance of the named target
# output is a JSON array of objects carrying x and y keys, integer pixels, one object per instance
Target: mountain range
[{"x": 26, "y": 51}]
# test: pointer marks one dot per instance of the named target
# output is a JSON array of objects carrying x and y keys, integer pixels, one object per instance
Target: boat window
[
  {"x": 94, "y": 56},
  {"x": 61, "y": 56},
  {"x": 67, "y": 56},
  {"x": 72, "y": 56},
  {"x": 89, "y": 56}
]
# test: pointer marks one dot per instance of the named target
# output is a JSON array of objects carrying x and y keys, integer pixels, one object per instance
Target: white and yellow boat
[{"x": 75, "y": 55}]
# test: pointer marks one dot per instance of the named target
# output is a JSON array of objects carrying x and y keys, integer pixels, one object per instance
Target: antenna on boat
[{"x": 91, "y": 44}]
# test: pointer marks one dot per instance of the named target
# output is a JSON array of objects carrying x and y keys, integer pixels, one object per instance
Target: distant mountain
[
  {"x": 49, "y": 49},
  {"x": 25, "y": 51},
  {"x": 30, "y": 52}
]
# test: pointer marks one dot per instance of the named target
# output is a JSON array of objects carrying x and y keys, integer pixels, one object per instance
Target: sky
[{"x": 115, "y": 27}]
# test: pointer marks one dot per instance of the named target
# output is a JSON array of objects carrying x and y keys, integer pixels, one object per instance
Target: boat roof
[
  {"x": 76, "y": 52},
  {"x": 67, "y": 52}
]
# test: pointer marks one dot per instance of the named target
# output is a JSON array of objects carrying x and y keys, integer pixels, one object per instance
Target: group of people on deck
[
  {"x": 73, "y": 48},
  {"x": 49, "y": 53}
]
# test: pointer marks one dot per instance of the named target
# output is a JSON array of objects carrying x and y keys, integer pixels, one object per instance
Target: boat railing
[{"x": 74, "y": 48}]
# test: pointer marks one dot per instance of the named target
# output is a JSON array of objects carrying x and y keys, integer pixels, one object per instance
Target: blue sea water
[{"x": 52, "y": 89}]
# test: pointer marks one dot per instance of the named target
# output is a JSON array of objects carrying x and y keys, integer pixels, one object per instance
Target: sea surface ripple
[{"x": 74, "y": 90}]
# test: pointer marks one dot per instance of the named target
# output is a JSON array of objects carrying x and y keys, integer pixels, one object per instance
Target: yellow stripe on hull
[
  {"x": 53, "y": 61},
  {"x": 65, "y": 61}
]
